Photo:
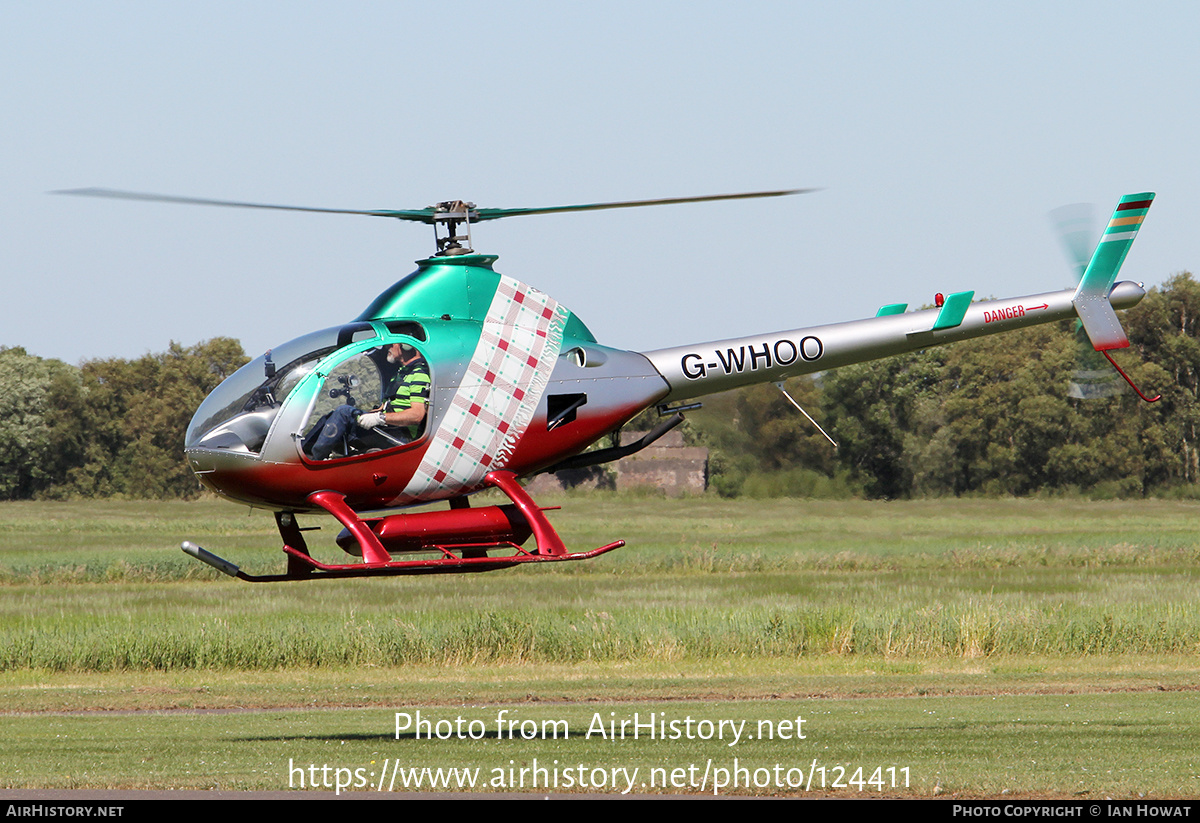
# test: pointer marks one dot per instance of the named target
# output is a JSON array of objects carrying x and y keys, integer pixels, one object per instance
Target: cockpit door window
[{"x": 366, "y": 403}]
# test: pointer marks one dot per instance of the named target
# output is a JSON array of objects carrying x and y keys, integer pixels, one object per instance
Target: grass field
[{"x": 1033, "y": 647}]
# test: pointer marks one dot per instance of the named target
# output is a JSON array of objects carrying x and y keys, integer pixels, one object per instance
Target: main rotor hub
[{"x": 450, "y": 213}]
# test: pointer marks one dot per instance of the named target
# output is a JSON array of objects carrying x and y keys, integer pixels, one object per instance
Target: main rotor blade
[
  {"x": 426, "y": 215},
  {"x": 420, "y": 215},
  {"x": 496, "y": 214}
]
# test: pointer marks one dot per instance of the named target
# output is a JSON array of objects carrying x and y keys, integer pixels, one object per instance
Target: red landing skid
[{"x": 464, "y": 539}]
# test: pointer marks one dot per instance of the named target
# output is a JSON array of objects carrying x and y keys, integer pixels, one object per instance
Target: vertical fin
[{"x": 1091, "y": 298}]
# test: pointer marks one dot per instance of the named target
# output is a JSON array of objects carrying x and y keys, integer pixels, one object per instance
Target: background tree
[
  {"x": 137, "y": 416},
  {"x": 1163, "y": 332},
  {"x": 871, "y": 409},
  {"x": 41, "y": 403}
]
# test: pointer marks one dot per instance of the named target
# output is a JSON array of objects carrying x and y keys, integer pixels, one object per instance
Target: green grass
[
  {"x": 1091, "y": 745},
  {"x": 94, "y": 535},
  {"x": 97, "y": 587},
  {"x": 1041, "y": 647}
]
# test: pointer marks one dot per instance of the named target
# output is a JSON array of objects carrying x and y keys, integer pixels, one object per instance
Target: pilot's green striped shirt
[{"x": 410, "y": 383}]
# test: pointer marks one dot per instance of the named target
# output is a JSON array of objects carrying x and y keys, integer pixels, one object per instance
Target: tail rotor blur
[{"x": 1076, "y": 228}]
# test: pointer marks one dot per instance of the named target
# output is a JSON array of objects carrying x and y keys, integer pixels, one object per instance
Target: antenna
[{"x": 779, "y": 386}]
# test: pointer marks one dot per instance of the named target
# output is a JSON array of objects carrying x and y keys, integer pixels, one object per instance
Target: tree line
[
  {"x": 1028, "y": 412},
  {"x": 105, "y": 427}
]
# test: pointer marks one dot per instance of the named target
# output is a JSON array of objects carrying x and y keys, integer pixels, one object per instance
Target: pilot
[
  {"x": 400, "y": 418},
  {"x": 407, "y": 394}
]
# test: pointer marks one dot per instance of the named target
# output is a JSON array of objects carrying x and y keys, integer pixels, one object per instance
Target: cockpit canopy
[{"x": 239, "y": 414}]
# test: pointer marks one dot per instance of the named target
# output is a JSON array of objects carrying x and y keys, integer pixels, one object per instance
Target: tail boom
[{"x": 707, "y": 368}]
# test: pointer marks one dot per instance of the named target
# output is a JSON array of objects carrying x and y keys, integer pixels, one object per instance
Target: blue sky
[{"x": 941, "y": 134}]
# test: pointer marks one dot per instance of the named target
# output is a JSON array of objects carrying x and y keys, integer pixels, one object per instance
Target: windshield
[{"x": 238, "y": 414}]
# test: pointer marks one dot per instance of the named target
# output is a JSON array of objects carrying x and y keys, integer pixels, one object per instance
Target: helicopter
[{"x": 510, "y": 383}]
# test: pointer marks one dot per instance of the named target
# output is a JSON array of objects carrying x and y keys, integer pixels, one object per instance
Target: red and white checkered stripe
[{"x": 504, "y": 382}]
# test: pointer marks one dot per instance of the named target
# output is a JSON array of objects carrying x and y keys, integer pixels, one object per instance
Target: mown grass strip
[{"x": 1073, "y": 746}]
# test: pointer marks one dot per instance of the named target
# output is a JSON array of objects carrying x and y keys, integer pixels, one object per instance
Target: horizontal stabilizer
[{"x": 953, "y": 310}]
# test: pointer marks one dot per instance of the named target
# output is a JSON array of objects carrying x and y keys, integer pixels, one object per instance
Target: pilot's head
[{"x": 401, "y": 353}]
